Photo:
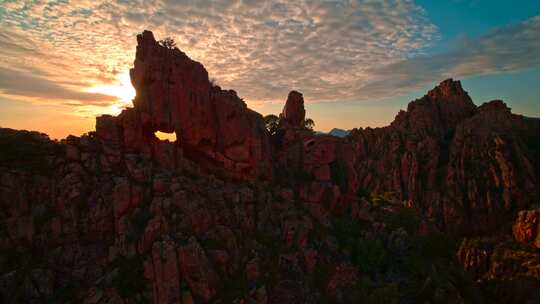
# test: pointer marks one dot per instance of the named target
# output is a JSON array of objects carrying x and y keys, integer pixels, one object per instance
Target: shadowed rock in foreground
[{"x": 424, "y": 210}]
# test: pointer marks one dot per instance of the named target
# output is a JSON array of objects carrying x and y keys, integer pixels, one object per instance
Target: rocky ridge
[{"x": 466, "y": 167}]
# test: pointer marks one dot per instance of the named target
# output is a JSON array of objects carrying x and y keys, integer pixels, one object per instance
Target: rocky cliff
[
  {"x": 466, "y": 167},
  {"x": 230, "y": 213},
  {"x": 174, "y": 94}
]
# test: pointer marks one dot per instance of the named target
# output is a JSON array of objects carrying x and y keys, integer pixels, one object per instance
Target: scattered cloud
[
  {"x": 506, "y": 49},
  {"x": 13, "y": 82},
  {"x": 262, "y": 49},
  {"x": 329, "y": 50}
]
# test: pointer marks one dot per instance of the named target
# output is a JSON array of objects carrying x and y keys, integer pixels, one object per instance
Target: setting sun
[
  {"x": 166, "y": 136},
  {"x": 122, "y": 89}
]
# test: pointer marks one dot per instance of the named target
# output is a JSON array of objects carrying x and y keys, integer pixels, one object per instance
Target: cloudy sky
[{"x": 357, "y": 62}]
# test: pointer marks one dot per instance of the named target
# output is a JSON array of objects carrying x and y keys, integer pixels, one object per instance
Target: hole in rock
[{"x": 169, "y": 136}]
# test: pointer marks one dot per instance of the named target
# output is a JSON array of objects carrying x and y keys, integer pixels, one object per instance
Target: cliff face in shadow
[
  {"x": 231, "y": 213},
  {"x": 466, "y": 167}
]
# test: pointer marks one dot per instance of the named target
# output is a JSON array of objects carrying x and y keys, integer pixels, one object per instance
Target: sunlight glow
[
  {"x": 166, "y": 136},
  {"x": 122, "y": 89}
]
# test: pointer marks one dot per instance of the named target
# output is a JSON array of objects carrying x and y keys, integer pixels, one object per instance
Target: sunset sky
[{"x": 356, "y": 62}]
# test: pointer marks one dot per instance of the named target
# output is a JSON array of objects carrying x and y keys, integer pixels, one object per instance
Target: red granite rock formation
[
  {"x": 510, "y": 272},
  {"x": 460, "y": 164},
  {"x": 293, "y": 112},
  {"x": 212, "y": 126},
  {"x": 436, "y": 113},
  {"x": 320, "y": 166},
  {"x": 526, "y": 228}
]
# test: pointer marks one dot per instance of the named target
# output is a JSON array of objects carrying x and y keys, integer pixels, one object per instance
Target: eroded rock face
[
  {"x": 438, "y": 112},
  {"x": 507, "y": 271},
  {"x": 465, "y": 167},
  {"x": 526, "y": 227},
  {"x": 213, "y": 127},
  {"x": 293, "y": 111},
  {"x": 460, "y": 164},
  {"x": 491, "y": 168},
  {"x": 474, "y": 257}
]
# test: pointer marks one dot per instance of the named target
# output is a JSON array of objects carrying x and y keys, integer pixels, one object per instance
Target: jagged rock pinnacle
[{"x": 294, "y": 112}]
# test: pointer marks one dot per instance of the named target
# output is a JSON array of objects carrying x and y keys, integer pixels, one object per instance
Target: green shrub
[
  {"x": 346, "y": 230},
  {"x": 42, "y": 218},
  {"x": 516, "y": 290},
  {"x": 137, "y": 224},
  {"x": 210, "y": 244},
  {"x": 13, "y": 258},
  {"x": 65, "y": 293},
  {"x": 302, "y": 176},
  {"x": 362, "y": 193},
  {"x": 234, "y": 287},
  {"x": 388, "y": 294},
  {"x": 437, "y": 245},
  {"x": 321, "y": 275},
  {"x": 369, "y": 255},
  {"x": 406, "y": 218},
  {"x": 533, "y": 206},
  {"x": 533, "y": 142},
  {"x": 363, "y": 293},
  {"x": 425, "y": 253},
  {"x": 271, "y": 122},
  {"x": 268, "y": 243},
  {"x": 381, "y": 199},
  {"x": 338, "y": 174},
  {"x": 26, "y": 151},
  {"x": 128, "y": 278}
]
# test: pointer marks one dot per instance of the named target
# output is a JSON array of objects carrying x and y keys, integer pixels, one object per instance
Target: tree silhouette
[
  {"x": 168, "y": 42},
  {"x": 308, "y": 124},
  {"x": 271, "y": 123}
]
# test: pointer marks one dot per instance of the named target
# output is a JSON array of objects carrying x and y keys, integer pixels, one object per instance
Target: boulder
[
  {"x": 526, "y": 228},
  {"x": 199, "y": 274}
]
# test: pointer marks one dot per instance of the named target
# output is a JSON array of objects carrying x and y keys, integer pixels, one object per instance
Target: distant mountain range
[{"x": 339, "y": 132}]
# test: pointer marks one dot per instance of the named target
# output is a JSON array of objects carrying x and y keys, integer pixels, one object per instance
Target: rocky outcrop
[
  {"x": 437, "y": 113},
  {"x": 116, "y": 228},
  {"x": 505, "y": 271},
  {"x": 458, "y": 163},
  {"x": 213, "y": 127},
  {"x": 474, "y": 256},
  {"x": 526, "y": 228},
  {"x": 321, "y": 167},
  {"x": 293, "y": 112},
  {"x": 291, "y": 130}
]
